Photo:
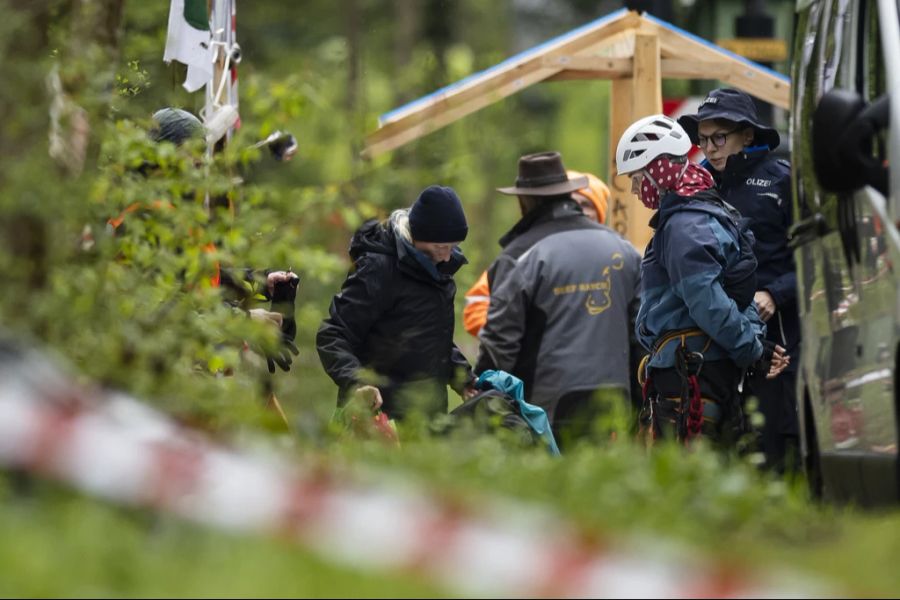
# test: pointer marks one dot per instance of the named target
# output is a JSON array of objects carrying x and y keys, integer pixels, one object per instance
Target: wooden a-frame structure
[{"x": 634, "y": 51}]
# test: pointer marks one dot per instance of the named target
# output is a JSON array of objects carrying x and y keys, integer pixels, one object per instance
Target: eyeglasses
[{"x": 718, "y": 139}]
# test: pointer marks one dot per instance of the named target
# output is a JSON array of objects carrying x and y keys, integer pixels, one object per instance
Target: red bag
[{"x": 379, "y": 427}]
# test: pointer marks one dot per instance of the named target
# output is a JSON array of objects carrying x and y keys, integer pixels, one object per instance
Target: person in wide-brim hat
[
  {"x": 562, "y": 282},
  {"x": 594, "y": 202},
  {"x": 543, "y": 174}
]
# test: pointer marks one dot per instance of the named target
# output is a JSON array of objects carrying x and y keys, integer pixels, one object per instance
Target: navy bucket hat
[{"x": 731, "y": 105}]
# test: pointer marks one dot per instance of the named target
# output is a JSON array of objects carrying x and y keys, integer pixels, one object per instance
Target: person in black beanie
[{"x": 388, "y": 339}]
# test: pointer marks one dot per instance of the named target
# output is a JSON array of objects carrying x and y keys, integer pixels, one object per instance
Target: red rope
[
  {"x": 645, "y": 392},
  {"x": 695, "y": 409}
]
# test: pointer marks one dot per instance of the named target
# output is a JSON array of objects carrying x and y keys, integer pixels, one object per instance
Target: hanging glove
[
  {"x": 282, "y": 357},
  {"x": 283, "y": 294}
]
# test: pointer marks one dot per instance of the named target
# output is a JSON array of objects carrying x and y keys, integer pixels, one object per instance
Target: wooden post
[
  {"x": 633, "y": 98},
  {"x": 620, "y": 117}
]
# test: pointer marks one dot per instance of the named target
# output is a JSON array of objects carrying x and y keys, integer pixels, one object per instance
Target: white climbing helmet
[{"x": 647, "y": 139}]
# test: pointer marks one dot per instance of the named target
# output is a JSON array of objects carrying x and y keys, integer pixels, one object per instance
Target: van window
[
  {"x": 806, "y": 95},
  {"x": 872, "y": 68},
  {"x": 838, "y": 47}
]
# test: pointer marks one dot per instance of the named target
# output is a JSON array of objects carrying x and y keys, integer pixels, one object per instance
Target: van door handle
[{"x": 807, "y": 230}]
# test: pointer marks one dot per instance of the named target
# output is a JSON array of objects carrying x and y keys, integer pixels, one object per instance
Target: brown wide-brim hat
[{"x": 543, "y": 174}]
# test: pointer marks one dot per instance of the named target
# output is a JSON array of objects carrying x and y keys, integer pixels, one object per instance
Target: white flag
[{"x": 188, "y": 41}]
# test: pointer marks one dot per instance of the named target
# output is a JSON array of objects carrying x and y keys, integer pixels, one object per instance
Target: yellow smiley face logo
[{"x": 599, "y": 299}]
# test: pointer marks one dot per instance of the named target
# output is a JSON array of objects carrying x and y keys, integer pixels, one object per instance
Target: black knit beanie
[{"x": 437, "y": 216}]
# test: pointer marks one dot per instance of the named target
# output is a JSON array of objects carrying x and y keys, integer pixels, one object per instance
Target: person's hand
[
  {"x": 765, "y": 304},
  {"x": 363, "y": 418},
  {"x": 779, "y": 362},
  {"x": 266, "y": 316},
  {"x": 773, "y": 361},
  {"x": 369, "y": 396},
  {"x": 469, "y": 392},
  {"x": 282, "y": 357}
]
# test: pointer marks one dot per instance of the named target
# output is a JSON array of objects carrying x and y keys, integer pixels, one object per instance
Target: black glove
[
  {"x": 283, "y": 357},
  {"x": 283, "y": 295},
  {"x": 285, "y": 291},
  {"x": 764, "y": 362}
]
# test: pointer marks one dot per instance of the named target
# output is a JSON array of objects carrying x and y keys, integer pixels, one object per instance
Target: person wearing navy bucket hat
[
  {"x": 560, "y": 295},
  {"x": 388, "y": 339},
  {"x": 738, "y": 149}
]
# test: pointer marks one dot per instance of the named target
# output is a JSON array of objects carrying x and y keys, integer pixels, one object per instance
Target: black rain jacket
[
  {"x": 392, "y": 324},
  {"x": 759, "y": 185}
]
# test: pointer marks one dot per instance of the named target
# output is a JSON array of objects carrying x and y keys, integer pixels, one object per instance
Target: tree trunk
[
  {"x": 79, "y": 80},
  {"x": 408, "y": 19}
]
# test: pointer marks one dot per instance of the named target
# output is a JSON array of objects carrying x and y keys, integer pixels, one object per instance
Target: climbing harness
[
  {"x": 690, "y": 421},
  {"x": 690, "y": 409}
]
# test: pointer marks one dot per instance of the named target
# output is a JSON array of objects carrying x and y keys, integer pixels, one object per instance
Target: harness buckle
[{"x": 688, "y": 363}]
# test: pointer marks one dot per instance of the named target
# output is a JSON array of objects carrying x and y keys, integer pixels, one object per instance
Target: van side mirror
[{"x": 844, "y": 129}]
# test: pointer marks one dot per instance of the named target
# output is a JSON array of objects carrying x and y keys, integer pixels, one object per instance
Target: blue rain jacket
[{"x": 696, "y": 274}]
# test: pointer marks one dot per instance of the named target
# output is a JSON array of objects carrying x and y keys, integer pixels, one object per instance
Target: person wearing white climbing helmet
[{"x": 697, "y": 317}]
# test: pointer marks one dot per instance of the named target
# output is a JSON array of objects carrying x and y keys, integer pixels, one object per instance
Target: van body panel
[{"x": 848, "y": 273}]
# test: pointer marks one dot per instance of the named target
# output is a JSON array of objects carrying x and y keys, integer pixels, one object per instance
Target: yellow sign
[{"x": 758, "y": 49}]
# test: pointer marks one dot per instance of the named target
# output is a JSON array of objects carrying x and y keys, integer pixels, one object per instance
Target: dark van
[{"x": 846, "y": 83}]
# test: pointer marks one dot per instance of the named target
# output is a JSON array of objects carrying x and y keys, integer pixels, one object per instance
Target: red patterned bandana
[{"x": 663, "y": 175}]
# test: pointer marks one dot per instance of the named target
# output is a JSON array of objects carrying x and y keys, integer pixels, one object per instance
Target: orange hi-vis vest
[{"x": 478, "y": 299}]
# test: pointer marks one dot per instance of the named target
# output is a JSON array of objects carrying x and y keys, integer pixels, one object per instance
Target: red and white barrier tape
[{"x": 123, "y": 451}]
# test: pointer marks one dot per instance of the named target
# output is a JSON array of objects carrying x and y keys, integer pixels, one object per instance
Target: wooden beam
[
  {"x": 379, "y": 144},
  {"x": 481, "y": 85},
  {"x": 459, "y": 101},
  {"x": 602, "y": 51},
  {"x": 646, "y": 101},
  {"x": 740, "y": 73},
  {"x": 647, "y": 74},
  {"x": 676, "y": 68},
  {"x": 630, "y": 99},
  {"x": 616, "y": 68},
  {"x": 619, "y": 66},
  {"x": 621, "y": 97},
  {"x": 570, "y": 75}
]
